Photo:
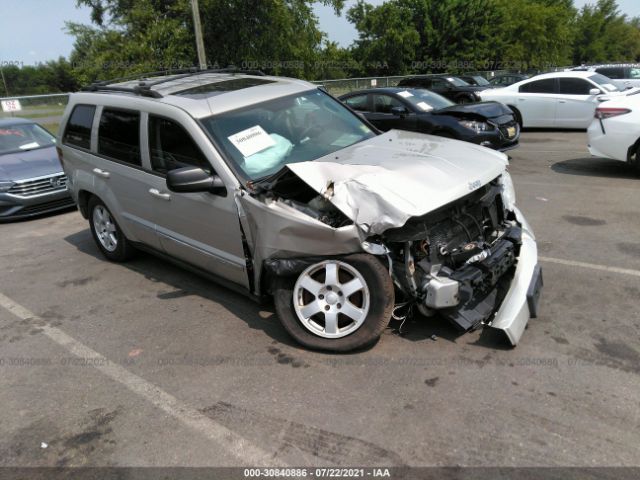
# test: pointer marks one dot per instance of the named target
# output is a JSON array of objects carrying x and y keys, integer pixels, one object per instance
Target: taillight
[
  {"x": 60, "y": 156},
  {"x": 608, "y": 112}
]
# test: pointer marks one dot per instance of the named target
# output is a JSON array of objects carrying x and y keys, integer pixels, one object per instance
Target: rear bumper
[{"x": 14, "y": 207}]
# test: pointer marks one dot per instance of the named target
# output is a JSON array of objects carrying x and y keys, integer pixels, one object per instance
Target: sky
[{"x": 33, "y": 30}]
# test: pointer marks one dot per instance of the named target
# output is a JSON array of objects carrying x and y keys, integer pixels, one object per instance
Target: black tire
[
  {"x": 382, "y": 299},
  {"x": 517, "y": 114},
  {"x": 124, "y": 250},
  {"x": 636, "y": 164}
]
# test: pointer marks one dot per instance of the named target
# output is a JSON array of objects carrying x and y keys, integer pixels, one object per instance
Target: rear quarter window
[{"x": 78, "y": 130}]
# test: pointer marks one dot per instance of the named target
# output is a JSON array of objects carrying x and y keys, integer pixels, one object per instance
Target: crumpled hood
[
  {"x": 382, "y": 182},
  {"x": 29, "y": 164},
  {"x": 484, "y": 109}
]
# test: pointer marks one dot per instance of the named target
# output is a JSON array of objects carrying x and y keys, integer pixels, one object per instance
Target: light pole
[{"x": 202, "y": 58}]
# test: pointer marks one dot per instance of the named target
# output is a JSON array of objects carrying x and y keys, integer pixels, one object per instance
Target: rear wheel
[
  {"x": 636, "y": 164},
  {"x": 336, "y": 305},
  {"x": 107, "y": 234}
]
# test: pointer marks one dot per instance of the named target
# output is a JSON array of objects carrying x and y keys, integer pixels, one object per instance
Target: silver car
[
  {"x": 272, "y": 186},
  {"x": 31, "y": 178}
]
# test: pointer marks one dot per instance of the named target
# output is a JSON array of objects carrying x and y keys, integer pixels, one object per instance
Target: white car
[
  {"x": 615, "y": 130},
  {"x": 556, "y": 100}
]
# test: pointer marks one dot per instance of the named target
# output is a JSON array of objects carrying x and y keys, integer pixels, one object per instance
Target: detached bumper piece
[{"x": 484, "y": 283}]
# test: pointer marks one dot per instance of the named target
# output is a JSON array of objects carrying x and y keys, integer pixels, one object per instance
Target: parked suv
[{"x": 274, "y": 187}]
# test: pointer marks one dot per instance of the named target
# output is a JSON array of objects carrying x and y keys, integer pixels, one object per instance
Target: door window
[
  {"x": 575, "y": 86},
  {"x": 439, "y": 83},
  {"x": 384, "y": 103},
  {"x": 171, "y": 147},
  {"x": 615, "y": 73},
  {"x": 548, "y": 85},
  {"x": 78, "y": 131},
  {"x": 119, "y": 135},
  {"x": 359, "y": 103}
]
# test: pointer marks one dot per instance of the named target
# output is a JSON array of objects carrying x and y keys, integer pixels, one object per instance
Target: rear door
[
  {"x": 576, "y": 106},
  {"x": 119, "y": 178},
  {"x": 202, "y": 229},
  {"x": 537, "y": 101}
]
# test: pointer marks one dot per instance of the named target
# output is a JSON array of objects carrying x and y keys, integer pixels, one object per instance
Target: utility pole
[
  {"x": 4, "y": 82},
  {"x": 202, "y": 58}
]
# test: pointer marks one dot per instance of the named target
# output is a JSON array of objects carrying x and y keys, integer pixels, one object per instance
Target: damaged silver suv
[{"x": 273, "y": 186}]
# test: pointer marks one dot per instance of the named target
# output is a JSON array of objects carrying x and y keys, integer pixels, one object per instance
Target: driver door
[
  {"x": 202, "y": 229},
  {"x": 384, "y": 119}
]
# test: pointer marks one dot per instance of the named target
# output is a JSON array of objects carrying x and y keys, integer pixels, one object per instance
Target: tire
[
  {"x": 636, "y": 164},
  {"x": 294, "y": 301},
  {"x": 107, "y": 234},
  {"x": 517, "y": 114}
]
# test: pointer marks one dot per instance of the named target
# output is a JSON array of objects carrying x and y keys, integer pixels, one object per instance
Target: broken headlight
[
  {"x": 476, "y": 126},
  {"x": 508, "y": 192}
]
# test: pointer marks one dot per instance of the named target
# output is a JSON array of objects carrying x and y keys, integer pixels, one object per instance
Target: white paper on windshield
[
  {"x": 405, "y": 94},
  {"x": 28, "y": 146},
  {"x": 450, "y": 79},
  {"x": 610, "y": 87},
  {"x": 425, "y": 106},
  {"x": 251, "y": 141}
]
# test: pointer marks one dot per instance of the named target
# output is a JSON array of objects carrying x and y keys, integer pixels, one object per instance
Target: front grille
[
  {"x": 38, "y": 186},
  {"x": 45, "y": 207}
]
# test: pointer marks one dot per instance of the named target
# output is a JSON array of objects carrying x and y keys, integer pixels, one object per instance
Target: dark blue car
[
  {"x": 31, "y": 178},
  {"x": 490, "y": 124}
]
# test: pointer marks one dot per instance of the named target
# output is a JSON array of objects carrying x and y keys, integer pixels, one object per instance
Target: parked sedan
[
  {"x": 615, "y": 131},
  {"x": 490, "y": 124},
  {"x": 448, "y": 86},
  {"x": 506, "y": 79},
  {"x": 477, "y": 80},
  {"x": 31, "y": 178},
  {"x": 556, "y": 100}
]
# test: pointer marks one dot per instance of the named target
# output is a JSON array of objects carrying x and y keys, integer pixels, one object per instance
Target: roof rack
[{"x": 144, "y": 86}]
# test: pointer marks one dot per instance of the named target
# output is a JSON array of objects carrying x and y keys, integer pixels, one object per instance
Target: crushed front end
[{"x": 472, "y": 261}]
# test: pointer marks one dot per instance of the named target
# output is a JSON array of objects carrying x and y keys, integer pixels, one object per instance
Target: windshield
[
  {"x": 24, "y": 136},
  {"x": 481, "y": 81},
  {"x": 425, "y": 100},
  {"x": 458, "y": 82},
  {"x": 265, "y": 137},
  {"x": 605, "y": 82}
]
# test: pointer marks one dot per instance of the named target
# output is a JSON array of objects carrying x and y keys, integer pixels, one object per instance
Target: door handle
[
  {"x": 101, "y": 173},
  {"x": 562, "y": 101},
  {"x": 521, "y": 99},
  {"x": 156, "y": 193}
]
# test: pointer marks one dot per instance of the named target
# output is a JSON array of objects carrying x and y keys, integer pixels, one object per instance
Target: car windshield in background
[
  {"x": 262, "y": 139},
  {"x": 24, "y": 136},
  {"x": 605, "y": 82},
  {"x": 426, "y": 100},
  {"x": 458, "y": 82},
  {"x": 480, "y": 81}
]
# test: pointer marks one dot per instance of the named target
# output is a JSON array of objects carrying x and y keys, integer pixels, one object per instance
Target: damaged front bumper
[{"x": 521, "y": 301}]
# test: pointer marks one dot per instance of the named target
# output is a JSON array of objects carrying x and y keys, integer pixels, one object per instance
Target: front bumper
[
  {"x": 521, "y": 301},
  {"x": 498, "y": 139},
  {"x": 14, "y": 207}
]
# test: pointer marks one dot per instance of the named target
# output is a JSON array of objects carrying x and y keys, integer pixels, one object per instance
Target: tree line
[{"x": 283, "y": 37}]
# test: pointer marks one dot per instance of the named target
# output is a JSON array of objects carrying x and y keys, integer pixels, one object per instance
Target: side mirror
[
  {"x": 194, "y": 179},
  {"x": 595, "y": 91},
  {"x": 399, "y": 111}
]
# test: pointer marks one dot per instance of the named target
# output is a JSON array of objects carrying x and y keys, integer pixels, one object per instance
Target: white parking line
[
  {"x": 233, "y": 443},
  {"x": 593, "y": 266}
]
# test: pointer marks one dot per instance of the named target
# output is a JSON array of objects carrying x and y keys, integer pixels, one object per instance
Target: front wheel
[{"x": 336, "y": 305}]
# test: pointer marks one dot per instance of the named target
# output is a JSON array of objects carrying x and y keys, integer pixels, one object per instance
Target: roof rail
[{"x": 144, "y": 86}]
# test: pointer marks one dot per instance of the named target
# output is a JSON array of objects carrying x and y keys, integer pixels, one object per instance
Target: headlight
[
  {"x": 476, "y": 126},
  {"x": 5, "y": 186},
  {"x": 508, "y": 192}
]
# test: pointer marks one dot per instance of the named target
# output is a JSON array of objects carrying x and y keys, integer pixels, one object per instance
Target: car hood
[
  {"x": 32, "y": 163},
  {"x": 483, "y": 109},
  {"x": 382, "y": 182}
]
